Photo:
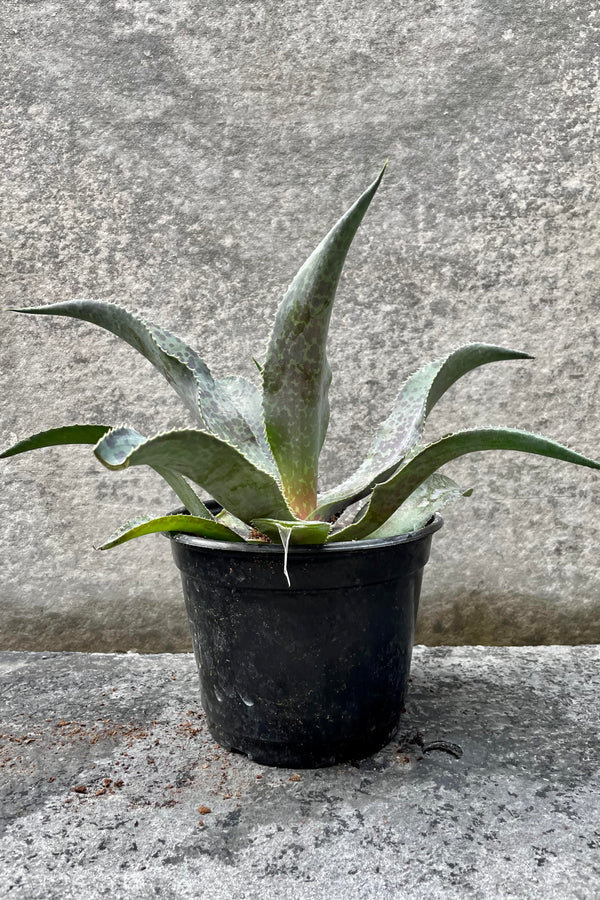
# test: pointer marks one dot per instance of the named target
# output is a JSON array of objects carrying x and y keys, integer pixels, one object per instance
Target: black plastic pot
[{"x": 307, "y": 675}]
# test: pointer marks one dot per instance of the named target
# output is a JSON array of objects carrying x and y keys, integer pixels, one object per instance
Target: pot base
[{"x": 309, "y": 755}]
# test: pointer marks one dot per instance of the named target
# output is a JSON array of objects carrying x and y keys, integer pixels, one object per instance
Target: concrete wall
[{"x": 183, "y": 158}]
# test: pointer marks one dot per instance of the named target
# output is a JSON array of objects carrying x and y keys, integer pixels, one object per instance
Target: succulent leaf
[
  {"x": 388, "y": 496},
  {"x": 91, "y": 434},
  {"x": 226, "y": 474},
  {"x": 397, "y": 435},
  {"x": 141, "y": 525},
  {"x": 301, "y": 533},
  {"x": 296, "y": 374},
  {"x": 53, "y": 437},
  {"x": 186, "y": 494},
  {"x": 183, "y": 368},
  {"x": 436, "y": 492},
  {"x": 179, "y": 364},
  {"x": 115, "y": 448},
  {"x": 257, "y": 454},
  {"x": 231, "y": 521},
  {"x": 247, "y": 398}
]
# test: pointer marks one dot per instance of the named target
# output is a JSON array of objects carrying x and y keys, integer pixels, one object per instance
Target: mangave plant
[{"x": 256, "y": 450}]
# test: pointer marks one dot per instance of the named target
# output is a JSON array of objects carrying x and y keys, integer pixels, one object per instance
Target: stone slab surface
[
  {"x": 183, "y": 158},
  {"x": 106, "y": 763}
]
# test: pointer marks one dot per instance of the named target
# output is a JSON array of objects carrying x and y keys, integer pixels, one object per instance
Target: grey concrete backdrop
[{"x": 183, "y": 158}]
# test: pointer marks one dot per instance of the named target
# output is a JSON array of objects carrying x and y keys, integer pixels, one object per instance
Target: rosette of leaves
[{"x": 255, "y": 450}]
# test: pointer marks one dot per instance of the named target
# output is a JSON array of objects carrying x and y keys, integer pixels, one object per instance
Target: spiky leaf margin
[
  {"x": 55, "y": 437},
  {"x": 143, "y": 525},
  {"x": 429, "y": 498},
  {"x": 399, "y": 433},
  {"x": 226, "y": 474},
  {"x": 388, "y": 496},
  {"x": 185, "y": 370},
  {"x": 296, "y": 374}
]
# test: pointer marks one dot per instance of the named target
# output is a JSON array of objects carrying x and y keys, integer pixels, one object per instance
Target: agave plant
[{"x": 256, "y": 450}]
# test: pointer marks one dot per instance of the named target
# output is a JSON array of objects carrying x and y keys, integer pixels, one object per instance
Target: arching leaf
[
  {"x": 142, "y": 525},
  {"x": 226, "y": 474},
  {"x": 388, "y": 496},
  {"x": 396, "y": 437},
  {"x": 183, "y": 368},
  {"x": 296, "y": 374},
  {"x": 54, "y": 437},
  {"x": 432, "y": 495}
]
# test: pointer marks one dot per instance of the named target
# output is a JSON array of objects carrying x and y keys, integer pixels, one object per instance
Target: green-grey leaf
[
  {"x": 54, "y": 437},
  {"x": 141, "y": 525},
  {"x": 247, "y": 398},
  {"x": 179, "y": 364},
  {"x": 396, "y": 436},
  {"x": 183, "y": 367},
  {"x": 301, "y": 533},
  {"x": 226, "y": 474},
  {"x": 296, "y": 374},
  {"x": 186, "y": 494},
  {"x": 436, "y": 492},
  {"x": 231, "y": 521},
  {"x": 388, "y": 496},
  {"x": 91, "y": 434}
]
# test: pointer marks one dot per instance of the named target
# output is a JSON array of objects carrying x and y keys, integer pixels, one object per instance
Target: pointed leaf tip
[
  {"x": 396, "y": 436},
  {"x": 185, "y": 524},
  {"x": 53, "y": 437},
  {"x": 296, "y": 373},
  {"x": 388, "y": 496}
]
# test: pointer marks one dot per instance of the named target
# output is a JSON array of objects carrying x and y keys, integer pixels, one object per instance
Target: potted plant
[{"x": 301, "y": 606}]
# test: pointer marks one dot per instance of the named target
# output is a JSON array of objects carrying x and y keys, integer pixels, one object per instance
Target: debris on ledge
[{"x": 112, "y": 786}]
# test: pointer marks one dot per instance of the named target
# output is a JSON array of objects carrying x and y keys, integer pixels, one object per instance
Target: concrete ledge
[{"x": 106, "y": 763}]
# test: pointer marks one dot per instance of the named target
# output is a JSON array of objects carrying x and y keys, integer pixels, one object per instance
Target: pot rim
[{"x": 235, "y": 547}]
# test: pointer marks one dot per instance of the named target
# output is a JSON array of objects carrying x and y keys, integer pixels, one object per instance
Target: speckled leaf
[
  {"x": 114, "y": 449},
  {"x": 296, "y": 374},
  {"x": 225, "y": 473},
  {"x": 300, "y": 533},
  {"x": 231, "y": 521},
  {"x": 401, "y": 430},
  {"x": 141, "y": 525},
  {"x": 91, "y": 434},
  {"x": 391, "y": 494},
  {"x": 182, "y": 367},
  {"x": 436, "y": 492},
  {"x": 54, "y": 437},
  {"x": 247, "y": 398}
]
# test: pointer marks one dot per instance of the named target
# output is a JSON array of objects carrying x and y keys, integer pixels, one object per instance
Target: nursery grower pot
[{"x": 307, "y": 675}]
